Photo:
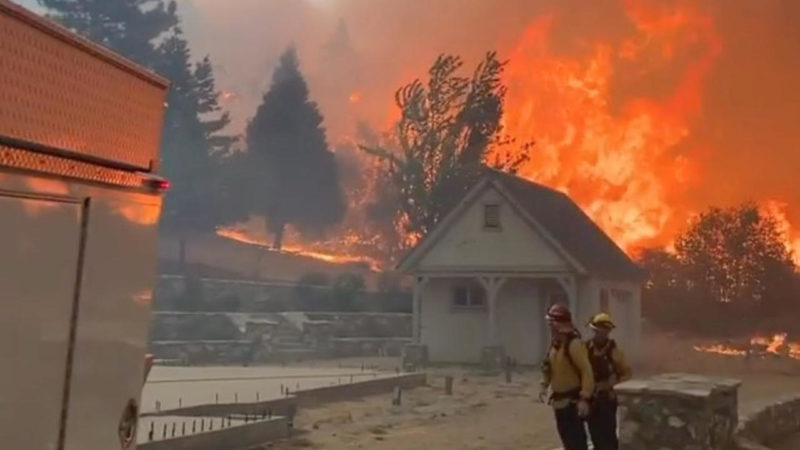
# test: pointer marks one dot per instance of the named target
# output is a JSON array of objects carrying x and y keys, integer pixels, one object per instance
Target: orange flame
[
  {"x": 622, "y": 157},
  {"x": 309, "y": 251},
  {"x": 618, "y": 163},
  {"x": 777, "y": 210},
  {"x": 720, "y": 349},
  {"x": 763, "y": 345},
  {"x": 773, "y": 344}
]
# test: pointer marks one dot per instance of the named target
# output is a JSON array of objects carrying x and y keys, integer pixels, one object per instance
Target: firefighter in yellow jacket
[
  {"x": 567, "y": 373},
  {"x": 609, "y": 367}
]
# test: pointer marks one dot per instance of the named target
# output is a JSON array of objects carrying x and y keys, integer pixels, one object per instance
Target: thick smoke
[{"x": 743, "y": 143}]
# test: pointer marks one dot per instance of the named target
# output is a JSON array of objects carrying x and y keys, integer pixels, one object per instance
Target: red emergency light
[{"x": 155, "y": 182}]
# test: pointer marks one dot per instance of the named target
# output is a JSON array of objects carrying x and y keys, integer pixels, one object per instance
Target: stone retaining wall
[
  {"x": 265, "y": 296},
  {"x": 678, "y": 412},
  {"x": 354, "y": 347},
  {"x": 770, "y": 423},
  {"x": 234, "y": 438},
  {"x": 202, "y": 352}
]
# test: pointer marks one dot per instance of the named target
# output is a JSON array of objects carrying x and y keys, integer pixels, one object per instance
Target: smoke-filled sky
[{"x": 655, "y": 107}]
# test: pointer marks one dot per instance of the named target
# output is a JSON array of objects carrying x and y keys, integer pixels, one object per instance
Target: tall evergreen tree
[
  {"x": 185, "y": 150},
  {"x": 286, "y": 138},
  {"x": 193, "y": 149},
  {"x": 128, "y": 27},
  {"x": 192, "y": 143},
  {"x": 213, "y": 117}
]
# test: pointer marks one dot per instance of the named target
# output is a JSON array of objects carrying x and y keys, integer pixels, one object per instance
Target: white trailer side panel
[
  {"x": 39, "y": 245},
  {"x": 77, "y": 270},
  {"x": 113, "y": 318}
]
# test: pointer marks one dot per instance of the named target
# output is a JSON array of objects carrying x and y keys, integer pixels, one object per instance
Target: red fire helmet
[{"x": 559, "y": 313}]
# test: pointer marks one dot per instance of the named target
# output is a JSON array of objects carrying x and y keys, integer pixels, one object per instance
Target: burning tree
[
  {"x": 286, "y": 141},
  {"x": 729, "y": 265},
  {"x": 442, "y": 139}
]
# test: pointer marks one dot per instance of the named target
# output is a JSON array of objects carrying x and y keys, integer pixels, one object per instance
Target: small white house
[{"x": 485, "y": 276}]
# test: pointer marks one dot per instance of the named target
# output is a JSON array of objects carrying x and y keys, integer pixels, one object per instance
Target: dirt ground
[{"x": 487, "y": 413}]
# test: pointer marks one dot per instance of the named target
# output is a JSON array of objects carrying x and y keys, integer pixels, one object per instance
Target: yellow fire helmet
[{"x": 601, "y": 320}]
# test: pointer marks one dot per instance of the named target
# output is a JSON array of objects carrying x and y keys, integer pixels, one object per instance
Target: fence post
[
  {"x": 398, "y": 396},
  {"x": 448, "y": 385}
]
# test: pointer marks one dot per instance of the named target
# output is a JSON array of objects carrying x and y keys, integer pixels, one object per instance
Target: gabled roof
[{"x": 556, "y": 216}]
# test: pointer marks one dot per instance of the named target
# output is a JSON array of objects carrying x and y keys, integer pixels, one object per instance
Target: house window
[
  {"x": 471, "y": 296},
  {"x": 491, "y": 217},
  {"x": 604, "y": 306}
]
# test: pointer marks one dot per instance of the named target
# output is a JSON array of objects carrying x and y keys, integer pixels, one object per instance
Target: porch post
[
  {"x": 570, "y": 286},
  {"x": 416, "y": 304},
  {"x": 492, "y": 286}
]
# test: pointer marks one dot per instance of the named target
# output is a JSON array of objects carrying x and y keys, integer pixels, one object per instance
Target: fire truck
[{"x": 80, "y": 199}]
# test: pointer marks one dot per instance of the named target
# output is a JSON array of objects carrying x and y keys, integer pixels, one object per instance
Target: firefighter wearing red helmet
[{"x": 567, "y": 374}]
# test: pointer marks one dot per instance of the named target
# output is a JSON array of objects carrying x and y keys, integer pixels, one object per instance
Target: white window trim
[{"x": 469, "y": 308}]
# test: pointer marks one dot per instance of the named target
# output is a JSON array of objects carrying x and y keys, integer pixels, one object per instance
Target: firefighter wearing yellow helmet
[{"x": 610, "y": 367}]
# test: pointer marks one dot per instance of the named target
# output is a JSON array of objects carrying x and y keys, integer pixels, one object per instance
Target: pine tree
[
  {"x": 214, "y": 119},
  {"x": 286, "y": 139},
  {"x": 128, "y": 27},
  {"x": 192, "y": 144}
]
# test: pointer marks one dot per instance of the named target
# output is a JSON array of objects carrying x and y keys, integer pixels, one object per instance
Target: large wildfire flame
[
  {"x": 616, "y": 160},
  {"x": 776, "y": 344},
  {"x": 618, "y": 149}
]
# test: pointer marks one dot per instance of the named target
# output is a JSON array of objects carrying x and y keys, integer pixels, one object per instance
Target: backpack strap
[
  {"x": 607, "y": 353},
  {"x": 567, "y": 354},
  {"x": 610, "y": 356}
]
